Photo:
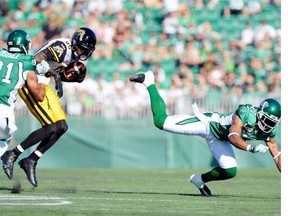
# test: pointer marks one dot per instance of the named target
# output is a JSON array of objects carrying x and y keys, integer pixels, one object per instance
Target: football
[{"x": 74, "y": 72}]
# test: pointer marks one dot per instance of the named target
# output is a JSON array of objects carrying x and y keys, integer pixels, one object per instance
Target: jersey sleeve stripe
[{"x": 55, "y": 56}]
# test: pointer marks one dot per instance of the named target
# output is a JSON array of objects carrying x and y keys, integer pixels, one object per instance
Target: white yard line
[{"x": 20, "y": 200}]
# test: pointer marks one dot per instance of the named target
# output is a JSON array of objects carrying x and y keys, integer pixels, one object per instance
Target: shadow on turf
[
  {"x": 5, "y": 189},
  {"x": 178, "y": 194},
  {"x": 71, "y": 190},
  {"x": 151, "y": 193}
]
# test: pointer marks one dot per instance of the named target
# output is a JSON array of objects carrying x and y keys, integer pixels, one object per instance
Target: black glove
[
  {"x": 58, "y": 83},
  {"x": 54, "y": 67}
]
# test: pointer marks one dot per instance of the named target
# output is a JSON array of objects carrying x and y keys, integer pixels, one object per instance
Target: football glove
[
  {"x": 257, "y": 148},
  {"x": 43, "y": 67},
  {"x": 58, "y": 83}
]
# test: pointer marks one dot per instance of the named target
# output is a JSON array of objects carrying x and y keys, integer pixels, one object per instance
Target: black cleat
[
  {"x": 205, "y": 191},
  {"x": 138, "y": 78},
  {"x": 8, "y": 159},
  {"x": 29, "y": 167}
]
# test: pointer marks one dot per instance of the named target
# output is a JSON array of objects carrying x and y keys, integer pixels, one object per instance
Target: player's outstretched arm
[{"x": 275, "y": 153}]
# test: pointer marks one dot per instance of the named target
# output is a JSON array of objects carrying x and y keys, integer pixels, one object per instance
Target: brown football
[{"x": 73, "y": 72}]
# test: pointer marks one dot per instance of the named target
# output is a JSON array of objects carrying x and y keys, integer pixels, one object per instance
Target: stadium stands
[{"x": 142, "y": 24}]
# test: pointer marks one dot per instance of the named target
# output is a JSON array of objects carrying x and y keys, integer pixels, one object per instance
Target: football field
[{"x": 154, "y": 192}]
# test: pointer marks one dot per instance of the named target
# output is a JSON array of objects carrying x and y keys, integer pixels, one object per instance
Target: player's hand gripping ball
[{"x": 74, "y": 72}]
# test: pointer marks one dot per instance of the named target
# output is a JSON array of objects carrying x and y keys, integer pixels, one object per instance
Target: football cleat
[
  {"x": 8, "y": 159},
  {"x": 205, "y": 191},
  {"x": 29, "y": 167},
  {"x": 197, "y": 181},
  {"x": 138, "y": 78},
  {"x": 146, "y": 78}
]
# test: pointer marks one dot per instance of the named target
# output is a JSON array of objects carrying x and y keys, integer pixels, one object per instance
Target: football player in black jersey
[{"x": 54, "y": 57}]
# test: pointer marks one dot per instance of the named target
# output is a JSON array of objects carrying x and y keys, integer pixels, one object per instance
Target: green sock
[
  {"x": 158, "y": 106},
  {"x": 219, "y": 173}
]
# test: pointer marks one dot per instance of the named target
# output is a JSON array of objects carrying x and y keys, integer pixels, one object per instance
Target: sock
[
  {"x": 35, "y": 155},
  {"x": 149, "y": 79},
  {"x": 18, "y": 150},
  {"x": 158, "y": 106},
  {"x": 197, "y": 180},
  {"x": 219, "y": 173}
]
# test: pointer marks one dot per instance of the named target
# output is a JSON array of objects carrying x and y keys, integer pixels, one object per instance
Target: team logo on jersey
[
  {"x": 249, "y": 127},
  {"x": 59, "y": 50},
  {"x": 34, "y": 61},
  {"x": 251, "y": 131}
]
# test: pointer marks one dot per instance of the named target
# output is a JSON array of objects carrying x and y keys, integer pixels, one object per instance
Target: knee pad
[
  {"x": 230, "y": 172},
  {"x": 50, "y": 129},
  {"x": 159, "y": 121},
  {"x": 62, "y": 127}
]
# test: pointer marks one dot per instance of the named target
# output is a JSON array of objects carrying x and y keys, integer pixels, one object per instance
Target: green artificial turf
[{"x": 155, "y": 192}]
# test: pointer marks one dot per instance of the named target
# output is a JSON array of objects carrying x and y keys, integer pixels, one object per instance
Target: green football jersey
[
  {"x": 250, "y": 131},
  {"x": 13, "y": 69}
]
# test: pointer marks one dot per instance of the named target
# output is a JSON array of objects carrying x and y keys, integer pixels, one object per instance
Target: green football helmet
[
  {"x": 18, "y": 41},
  {"x": 269, "y": 115}
]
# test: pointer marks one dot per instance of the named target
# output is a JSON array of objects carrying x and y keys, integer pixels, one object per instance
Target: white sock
[
  {"x": 197, "y": 180},
  {"x": 149, "y": 79},
  {"x": 3, "y": 148},
  {"x": 20, "y": 149},
  {"x": 38, "y": 153}
]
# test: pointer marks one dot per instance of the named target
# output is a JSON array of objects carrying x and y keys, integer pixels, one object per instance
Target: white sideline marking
[{"x": 20, "y": 200}]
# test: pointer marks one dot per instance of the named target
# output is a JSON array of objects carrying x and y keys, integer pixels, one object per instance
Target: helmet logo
[
  {"x": 81, "y": 33},
  {"x": 18, "y": 41},
  {"x": 264, "y": 104}
]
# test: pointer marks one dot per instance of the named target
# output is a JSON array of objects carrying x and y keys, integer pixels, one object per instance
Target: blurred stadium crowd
[{"x": 215, "y": 52}]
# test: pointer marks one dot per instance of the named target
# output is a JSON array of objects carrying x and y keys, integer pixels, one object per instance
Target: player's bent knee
[
  {"x": 230, "y": 172},
  {"x": 50, "y": 129},
  {"x": 62, "y": 127},
  {"x": 159, "y": 121}
]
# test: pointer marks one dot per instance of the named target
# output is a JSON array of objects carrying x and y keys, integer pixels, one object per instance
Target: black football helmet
[
  {"x": 269, "y": 115},
  {"x": 85, "y": 40},
  {"x": 18, "y": 41}
]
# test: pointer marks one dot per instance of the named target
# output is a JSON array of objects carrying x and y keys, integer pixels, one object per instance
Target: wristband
[
  {"x": 233, "y": 133},
  {"x": 276, "y": 156}
]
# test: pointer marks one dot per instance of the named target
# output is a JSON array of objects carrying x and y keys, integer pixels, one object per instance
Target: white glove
[
  {"x": 42, "y": 68},
  {"x": 257, "y": 148}
]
